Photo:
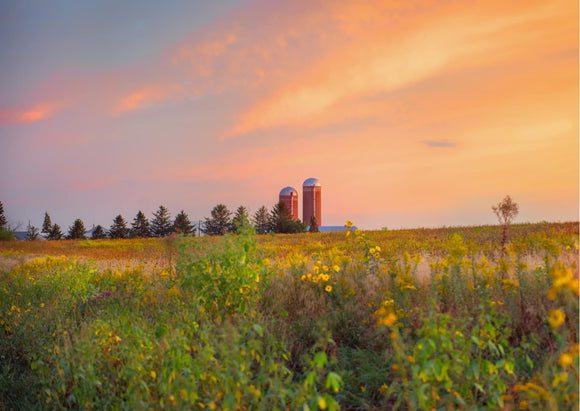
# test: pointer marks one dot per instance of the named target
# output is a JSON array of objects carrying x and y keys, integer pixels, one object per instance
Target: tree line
[{"x": 221, "y": 221}]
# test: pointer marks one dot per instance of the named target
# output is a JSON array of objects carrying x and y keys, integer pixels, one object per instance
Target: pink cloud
[
  {"x": 145, "y": 97},
  {"x": 28, "y": 115}
]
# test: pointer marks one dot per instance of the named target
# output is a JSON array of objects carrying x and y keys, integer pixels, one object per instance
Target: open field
[{"x": 408, "y": 319}]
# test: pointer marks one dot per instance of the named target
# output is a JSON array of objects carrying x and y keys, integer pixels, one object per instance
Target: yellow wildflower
[
  {"x": 384, "y": 388},
  {"x": 328, "y": 288},
  {"x": 389, "y": 320},
  {"x": 336, "y": 268},
  {"x": 153, "y": 374},
  {"x": 556, "y": 318},
  {"x": 523, "y": 405},
  {"x": 565, "y": 360}
]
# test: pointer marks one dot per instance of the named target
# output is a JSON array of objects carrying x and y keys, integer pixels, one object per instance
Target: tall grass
[{"x": 403, "y": 320}]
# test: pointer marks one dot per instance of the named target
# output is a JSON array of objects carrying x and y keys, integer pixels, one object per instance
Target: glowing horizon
[{"x": 421, "y": 113}]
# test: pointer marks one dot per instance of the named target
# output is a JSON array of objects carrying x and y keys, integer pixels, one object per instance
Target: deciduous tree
[{"x": 505, "y": 211}]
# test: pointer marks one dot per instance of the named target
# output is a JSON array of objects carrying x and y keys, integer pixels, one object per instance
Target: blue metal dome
[
  {"x": 288, "y": 191},
  {"x": 311, "y": 182}
]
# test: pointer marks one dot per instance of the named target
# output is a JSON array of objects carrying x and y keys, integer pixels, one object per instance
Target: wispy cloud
[
  {"x": 146, "y": 97},
  {"x": 433, "y": 143},
  {"x": 28, "y": 115}
]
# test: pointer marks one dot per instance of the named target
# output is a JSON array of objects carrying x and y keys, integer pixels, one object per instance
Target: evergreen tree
[
  {"x": 241, "y": 219},
  {"x": 3, "y": 221},
  {"x": 182, "y": 225},
  {"x": 55, "y": 233},
  {"x": 46, "y": 225},
  {"x": 281, "y": 220},
  {"x": 119, "y": 228},
  {"x": 98, "y": 233},
  {"x": 262, "y": 221},
  {"x": 31, "y": 232},
  {"x": 76, "y": 231},
  {"x": 313, "y": 225},
  {"x": 140, "y": 226},
  {"x": 161, "y": 225},
  {"x": 220, "y": 221}
]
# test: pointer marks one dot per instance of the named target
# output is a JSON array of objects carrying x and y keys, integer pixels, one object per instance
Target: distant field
[{"x": 408, "y": 319}]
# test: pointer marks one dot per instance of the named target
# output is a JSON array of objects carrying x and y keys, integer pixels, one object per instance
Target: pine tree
[
  {"x": 161, "y": 225},
  {"x": 3, "y": 221},
  {"x": 55, "y": 233},
  {"x": 98, "y": 233},
  {"x": 119, "y": 228},
  {"x": 182, "y": 225},
  {"x": 281, "y": 220},
  {"x": 262, "y": 221},
  {"x": 46, "y": 225},
  {"x": 31, "y": 232},
  {"x": 76, "y": 231},
  {"x": 220, "y": 221},
  {"x": 140, "y": 226},
  {"x": 313, "y": 225},
  {"x": 241, "y": 219}
]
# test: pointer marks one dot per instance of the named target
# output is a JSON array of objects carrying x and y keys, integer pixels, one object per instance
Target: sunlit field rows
[{"x": 398, "y": 319}]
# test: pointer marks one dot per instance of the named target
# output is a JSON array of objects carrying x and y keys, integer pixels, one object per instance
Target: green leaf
[
  {"x": 333, "y": 381},
  {"x": 320, "y": 359},
  {"x": 259, "y": 330}
]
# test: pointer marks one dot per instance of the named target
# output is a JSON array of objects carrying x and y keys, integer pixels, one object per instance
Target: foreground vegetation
[{"x": 408, "y": 319}]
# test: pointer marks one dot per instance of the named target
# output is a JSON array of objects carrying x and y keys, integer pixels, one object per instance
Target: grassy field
[{"x": 407, "y": 319}]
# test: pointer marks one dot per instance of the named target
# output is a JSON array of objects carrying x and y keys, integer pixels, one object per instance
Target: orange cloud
[
  {"x": 381, "y": 58},
  {"x": 145, "y": 97},
  {"x": 29, "y": 115}
]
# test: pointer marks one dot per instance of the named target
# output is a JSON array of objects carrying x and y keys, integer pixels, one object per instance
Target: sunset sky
[{"x": 410, "y": 113}]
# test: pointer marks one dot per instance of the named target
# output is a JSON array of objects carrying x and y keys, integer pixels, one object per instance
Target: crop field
[{"x": 399, "y": 319}]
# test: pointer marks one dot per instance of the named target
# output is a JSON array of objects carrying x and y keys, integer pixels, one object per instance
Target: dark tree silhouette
[
  {"x": 220, "y": 221},
  {"x": 3, "y": 221},
  {"x": 161, "y": 224},
  {"x": 262, "y": 220},
  {"x": 313, "y": 225},
  {"x": 119, "y": 228},
  {"x": 241, "y": 219},
  {"x": 31, "y": 232},
  {"x": 76, "y": 231},
  {"x": 46, "y": 225},
  {"x": 281, "y": 220},
  {"x": 182, "y": 225},
  {"x": 98, "y": 233},
  {"x": 140, "y": 226},
  {"x": 55, "y": 233}
]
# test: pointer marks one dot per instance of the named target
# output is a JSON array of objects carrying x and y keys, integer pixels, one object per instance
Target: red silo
[
  {"x": 289, "y": 196},
  {"x": 312, "y": 201}
]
